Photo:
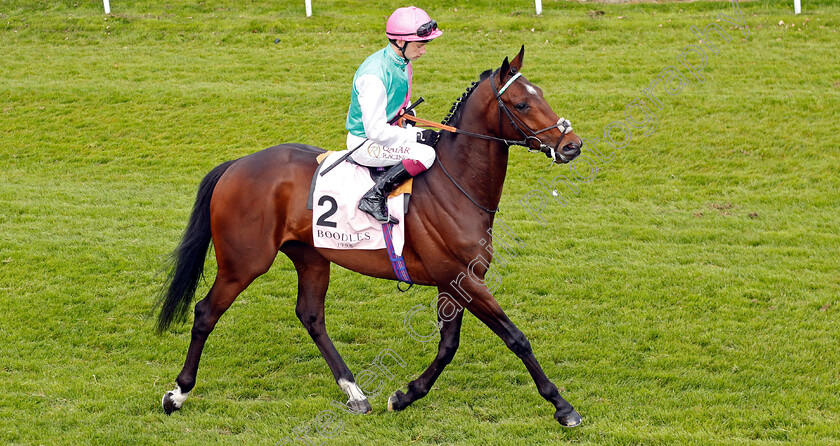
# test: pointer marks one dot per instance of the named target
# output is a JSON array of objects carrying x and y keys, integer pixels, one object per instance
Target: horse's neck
[{"x": 477, "y": 165}]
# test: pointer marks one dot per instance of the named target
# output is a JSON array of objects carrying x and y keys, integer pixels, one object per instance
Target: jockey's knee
[
  {"x": 420, "y": 161},
  {"x": 425, "y": 155}
]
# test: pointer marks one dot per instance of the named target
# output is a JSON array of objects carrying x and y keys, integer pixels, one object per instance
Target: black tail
[{"x": 188, "y": 258}]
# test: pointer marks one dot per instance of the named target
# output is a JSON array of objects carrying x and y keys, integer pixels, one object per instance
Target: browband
[{"x": 510, "y": 81}]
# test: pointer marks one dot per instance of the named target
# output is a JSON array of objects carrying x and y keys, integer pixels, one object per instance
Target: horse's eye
[{"x": 522, "y": 106}]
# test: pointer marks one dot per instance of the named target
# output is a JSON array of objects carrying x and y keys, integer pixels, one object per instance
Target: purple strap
[{"x": 396, "y": 261}]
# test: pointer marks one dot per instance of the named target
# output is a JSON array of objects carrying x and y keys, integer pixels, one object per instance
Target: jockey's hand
[
  {"x": 402, "y": 122},
  {"x": 428, "y": 137}
]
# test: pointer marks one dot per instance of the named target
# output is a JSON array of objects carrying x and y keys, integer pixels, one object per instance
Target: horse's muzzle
[{"x": 569, "y": 152}]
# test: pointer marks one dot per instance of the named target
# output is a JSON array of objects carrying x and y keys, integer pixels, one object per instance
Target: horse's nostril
[{"x": 572, "y": 148}]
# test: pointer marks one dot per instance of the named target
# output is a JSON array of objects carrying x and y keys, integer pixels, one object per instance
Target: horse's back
[
  {"x": 262, "y": 196},
  {"x": 306, "y": 148},
  {"x": 293, "y": 153},
  {"x": 282, "y": 164}
]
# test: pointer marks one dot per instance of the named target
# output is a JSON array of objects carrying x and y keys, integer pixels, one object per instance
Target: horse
[{"x": 254, "y": 206}]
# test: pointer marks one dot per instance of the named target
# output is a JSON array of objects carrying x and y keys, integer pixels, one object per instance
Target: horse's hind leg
[
  {"x": 231, "y": 280},
  {"x": 313, "y": 279},
  {"x": 207, "y": 313}
]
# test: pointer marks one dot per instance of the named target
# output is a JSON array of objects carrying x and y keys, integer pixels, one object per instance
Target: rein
[
  {"x": 489, "y": 211},
  {"x": 517, "y": 124},
  {"x": 451, "y": 129},
  {"x": 508, "y": 142}
]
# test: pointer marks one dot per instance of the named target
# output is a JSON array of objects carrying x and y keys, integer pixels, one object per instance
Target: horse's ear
[
  {"x": 516, "y": 64},
  {"x": 504, "y": 71}
]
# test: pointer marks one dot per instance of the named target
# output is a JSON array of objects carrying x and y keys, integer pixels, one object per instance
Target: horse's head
[{"x": 526, "y": 118}]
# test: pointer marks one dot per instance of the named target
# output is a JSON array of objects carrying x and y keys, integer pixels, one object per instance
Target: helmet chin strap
[{"x": 402, "y": 49}]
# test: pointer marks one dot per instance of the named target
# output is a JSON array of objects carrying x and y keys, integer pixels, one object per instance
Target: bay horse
[{"x": 254, "y": 206}]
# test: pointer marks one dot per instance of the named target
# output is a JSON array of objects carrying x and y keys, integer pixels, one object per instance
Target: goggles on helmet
[{"x": 425, "y": 30}]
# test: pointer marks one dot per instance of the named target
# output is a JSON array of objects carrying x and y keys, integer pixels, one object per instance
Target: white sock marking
[
  {"x": 352, "y": 390},
  {"x": 178, "y": 398}
]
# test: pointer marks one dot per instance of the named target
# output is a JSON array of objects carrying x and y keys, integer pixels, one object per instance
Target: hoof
[
  {"x": 394, "y": 403},
  {"x": 360, "y": 407},
  {"x": 169, "y": 404},
  {"x": 568, "y": 419}
]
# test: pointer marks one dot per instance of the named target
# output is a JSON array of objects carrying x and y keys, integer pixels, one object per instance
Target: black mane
[{"x": 454, "y": 115}]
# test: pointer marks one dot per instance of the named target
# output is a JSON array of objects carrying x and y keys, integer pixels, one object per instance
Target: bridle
[
  {"x": 515, "y": 121},
  {"x": 563, "y": 124},
  {"x": 519, "y": 125}
]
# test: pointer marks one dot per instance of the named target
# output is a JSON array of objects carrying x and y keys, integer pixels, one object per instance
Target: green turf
[{"x": 687, "y": 294}]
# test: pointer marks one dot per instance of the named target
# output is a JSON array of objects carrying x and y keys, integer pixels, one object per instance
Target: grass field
[{"x": 688, "y": 294}]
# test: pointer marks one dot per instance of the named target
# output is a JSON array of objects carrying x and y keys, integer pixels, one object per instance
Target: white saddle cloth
[{"x": 337, "y": 222}]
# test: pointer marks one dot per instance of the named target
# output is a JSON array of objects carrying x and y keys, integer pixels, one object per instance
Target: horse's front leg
[
  {"x": 485, "y": 307},
  {"x": 450, "y": 335}
]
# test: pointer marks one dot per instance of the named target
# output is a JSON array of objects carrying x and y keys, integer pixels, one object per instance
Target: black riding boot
[{"x": 375, "y": 201}]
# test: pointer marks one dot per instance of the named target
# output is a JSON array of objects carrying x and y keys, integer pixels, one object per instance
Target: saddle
[{"x": 375, "y": 173}]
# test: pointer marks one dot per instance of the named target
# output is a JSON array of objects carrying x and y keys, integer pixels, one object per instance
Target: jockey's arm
[{"x": 372, "y": 100}]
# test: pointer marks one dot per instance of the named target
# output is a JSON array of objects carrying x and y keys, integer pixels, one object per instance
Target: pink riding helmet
[{"x": 411, "y": 24}]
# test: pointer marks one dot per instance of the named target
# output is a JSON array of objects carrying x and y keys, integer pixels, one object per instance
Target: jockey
[{"x": 381, "y": 90}]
